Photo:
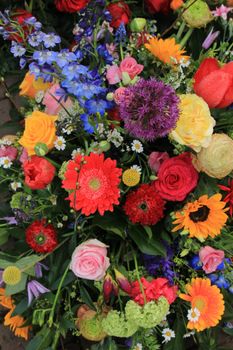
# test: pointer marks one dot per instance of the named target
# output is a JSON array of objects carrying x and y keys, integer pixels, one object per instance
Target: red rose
[
  {"x": 153, "y": 290},
  {"x": 19, "y": 15},
  {"x": 155, "y": 6},
  {"x": 71, "y": 5},
  {"x": 41, "y": 237},
  {"x": 120, "y": 13},
  {"x": 214, "y": 83},
  {"x": 38, "y": 172},
  {"x": 176, "y": 177}
]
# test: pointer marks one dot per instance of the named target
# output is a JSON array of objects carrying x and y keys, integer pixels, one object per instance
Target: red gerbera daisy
[
  {"x": 41, "y": 237},
  {"x": 144, "y": 206},
  {"x": 94, "y": 183}
]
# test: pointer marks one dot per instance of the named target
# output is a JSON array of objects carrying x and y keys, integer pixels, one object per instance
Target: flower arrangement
[{"x": 116, "y": 226}]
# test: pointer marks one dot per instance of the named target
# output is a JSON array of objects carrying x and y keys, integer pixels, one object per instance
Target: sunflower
[
  {"x": 206, "y": 302},
  {"x": 166, "y": 50},
  {"x": 202, "y": 218}
]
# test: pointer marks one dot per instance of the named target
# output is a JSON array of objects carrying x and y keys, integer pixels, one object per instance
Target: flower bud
[
  {"x": 41, "y": 149},
  {"x": 137, "y": 24},
  {"x": 107, "y": 287},
  {"x": 122, "y": 281},
  {"x": 198, "y": 14},
  {"x": 110, "y": 96},
  {"x": 104, "y": 145}
]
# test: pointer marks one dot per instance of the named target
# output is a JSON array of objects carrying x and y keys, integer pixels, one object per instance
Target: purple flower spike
[
  {"x": 149, "y": 109},
  {"x": 210, "y": 39},
  {"x": 35, "y": 289}
]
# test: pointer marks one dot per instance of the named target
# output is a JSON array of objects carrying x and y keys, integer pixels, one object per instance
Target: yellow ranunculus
[
  {"x": 30, "y": 86},
  {"x": 195, "y": 124},
  {"x": 216, "y": 160},
  {"x": 39, "y": 127}
]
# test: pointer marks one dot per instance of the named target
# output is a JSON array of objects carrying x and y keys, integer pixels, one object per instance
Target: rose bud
[
  {"x": 107, "y": 287},
  {"x": 123, "y": 282}
]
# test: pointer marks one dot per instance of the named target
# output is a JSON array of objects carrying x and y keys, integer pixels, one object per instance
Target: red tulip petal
[
  {"x": 228, "y": 68},
  {"x": 206, "y": 67},
  {"x": 213, "y": 87}
]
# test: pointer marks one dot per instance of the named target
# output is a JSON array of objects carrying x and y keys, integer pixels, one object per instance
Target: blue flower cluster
[{"x": 220, "y": 278}]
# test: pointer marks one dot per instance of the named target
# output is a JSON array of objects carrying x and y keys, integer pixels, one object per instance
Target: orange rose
[
  {"x": 39, "y": 127},
  {"x": 30, "y": 86}
]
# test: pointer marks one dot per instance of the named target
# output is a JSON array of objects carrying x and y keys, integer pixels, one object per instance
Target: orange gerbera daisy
[
  {"x": 94, "y": 183},
  {"x": 206, "y": 301},
  {"x": 202, "y": 218},
  {"x": 5, "y": 301},
  {"x": 16, "y": 324},
  {"x": 166, "y": 50}
]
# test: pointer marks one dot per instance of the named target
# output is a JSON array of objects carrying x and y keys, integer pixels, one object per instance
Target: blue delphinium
[
  {"x": 17, "y": 49},
  {"x": 51, "y": 40}
]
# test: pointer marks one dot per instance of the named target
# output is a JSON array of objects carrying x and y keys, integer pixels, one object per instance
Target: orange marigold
[
  {"x": 16, "y": 324},
  {"x": 167, "y": 50},
  {"x": 5, "y": 301},
  {"x": 208, "y": 300}
]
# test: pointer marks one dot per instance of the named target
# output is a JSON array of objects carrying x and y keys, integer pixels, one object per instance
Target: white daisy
[
  {"x": 193, "y": 315},
  {"x": 15, "y": 185},
  {"x": 5, "y": 162},
  {"x": 138, "y": 346},
  {"x": 77, "y": 152},
  {"x": 136, "y": 146},
  {"x": 60, "y": 143},
  {"x": 137, "y": 168},
  {"x": 168, "y": 334}
]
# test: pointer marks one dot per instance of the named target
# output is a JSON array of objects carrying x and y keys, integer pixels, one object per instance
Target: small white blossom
[
  {"x": 39, "y": 96},
  {"x": 189, "y": 334},
  {"x": 115, "y": 137},
  {"x": 138, "y": 346},
  {"x": 59, "y": 225},
  {"x": 168, "y": 334},
  {"x": 60, "y": 143},
  {"x": 137, "y": 168},
  {"x": 15, "y": 185},
  {"x": 137, "y": 146},
  {"x": 100, "y": 129},
  {"x": 76, "y": 152},
  {"x": 5, "y": 162},
  {"x": 68, "y": 130},
  {"x": 193, "y": 315}
]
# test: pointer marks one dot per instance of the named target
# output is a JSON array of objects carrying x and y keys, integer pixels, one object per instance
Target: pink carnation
[
  {"x": 118, "y": 94},
  {"x": 51, "y": 98},
  {"x": 90, "y": 261},
  {"x": 156, "y": 159},
  {"x": 210, "y": 258},
  {"x": 130, "y": 66},
  {"x": 113, "y": 75},
  {"x": 8, "y": 151}
]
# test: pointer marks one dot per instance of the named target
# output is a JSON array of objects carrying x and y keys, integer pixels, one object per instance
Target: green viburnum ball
[
  {"x": 198, "y": 14},
  {"x": 148, "y": 315},
  {"x": 115, "y": 324},
  {"x": 90, "y": 326}
]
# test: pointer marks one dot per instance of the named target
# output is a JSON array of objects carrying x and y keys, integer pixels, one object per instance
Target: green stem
[
  {"x": 186, "y": 37},
  {"x": 56, "y": 339},
  {"x": 180, "y": 31},
  {"x": 138, "y": 277},
  {"x": 50, "y": 321}
]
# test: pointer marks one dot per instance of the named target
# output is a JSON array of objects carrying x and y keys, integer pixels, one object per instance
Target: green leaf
[
  {"x": 4, "y": 234},
  {"x": 228, "y": 331},
  {"x": 86, "y": 297},
  {"x": 177, "y": 343},
  {"x": 27, "y": 264},
  {"x": 42, "y": 340},
  {"x": 148, "y": 231},
  {"x": 111, "y": 222},
  {"x": 4, "y": 263},
  {"x": 151, "y": 246},
  {"x": 21, "y": 307},
  {"x": 19, "y": 287}
]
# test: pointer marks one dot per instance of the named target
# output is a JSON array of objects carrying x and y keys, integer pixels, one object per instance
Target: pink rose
[
  {"x": 51, "y": 98},
  {"x": 156, "y": 159},
  {"x": 89, "y": 260},
  {"x": 210, "y": 258},
  {"x": 118, "y": 94},
  {"x": 8, "y": 151},
  {"x": 24, "y": 156},
  {"x": 113, "y": 74},
  {"x": 130, "y": 66}
]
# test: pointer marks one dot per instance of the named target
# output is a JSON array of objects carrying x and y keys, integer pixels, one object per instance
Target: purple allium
[{"x": 149, "y": 109}]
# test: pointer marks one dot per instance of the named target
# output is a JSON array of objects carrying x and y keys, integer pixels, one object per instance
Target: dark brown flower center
[{"x": 200, "y": 215}]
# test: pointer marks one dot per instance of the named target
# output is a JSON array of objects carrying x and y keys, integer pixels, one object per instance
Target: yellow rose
[
  {"x": 30, "y": 86},
  {"x": 216, "y": 160},
  {"x": 39, "y": 127},
  {"x": 195, "y": 124}
]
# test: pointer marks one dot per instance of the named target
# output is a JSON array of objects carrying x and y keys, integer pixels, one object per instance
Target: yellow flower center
[
  {"x": 168, "y": 334},
  {"x": 11, "y": 275},
  {"x": 131, "y": 177},
  {"x": 94, "y": 184},
  {"x": 200, "y": 303}
]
